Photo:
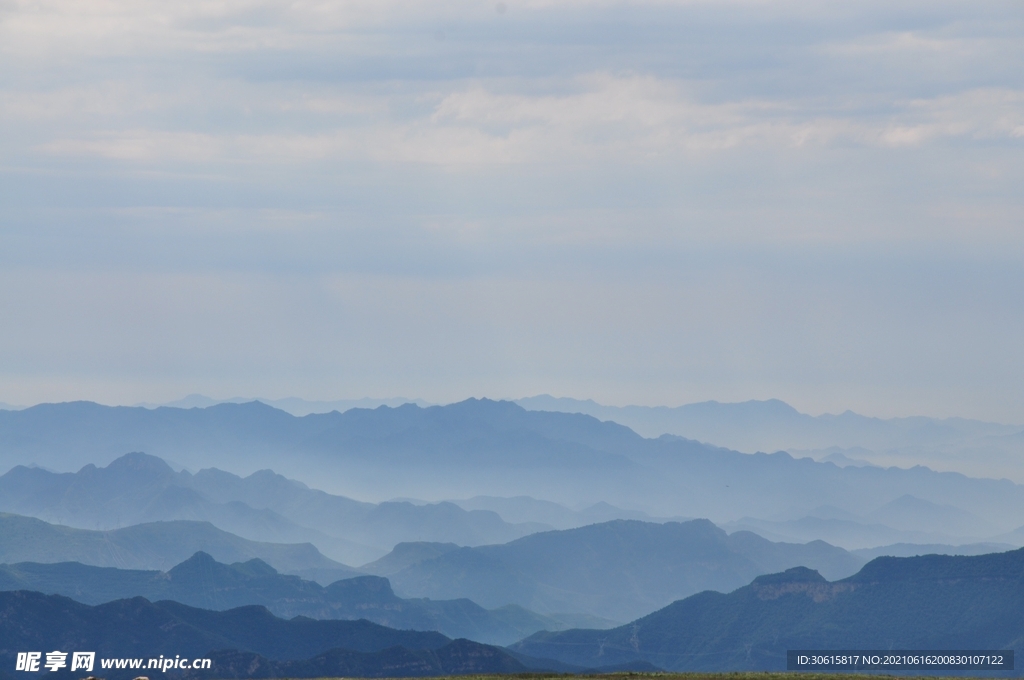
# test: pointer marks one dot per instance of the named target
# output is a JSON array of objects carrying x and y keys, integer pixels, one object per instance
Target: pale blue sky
[{"x": 650, "y": 202}]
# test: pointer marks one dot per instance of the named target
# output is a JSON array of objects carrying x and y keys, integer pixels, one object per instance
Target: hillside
[
  {"x": 139, "y": 628},
  {"x": 616, "y": 570},
  {"x": 157, "y": 545},
  {"x": 205, "y": 583},
  {"x": 928, "y": 602}
]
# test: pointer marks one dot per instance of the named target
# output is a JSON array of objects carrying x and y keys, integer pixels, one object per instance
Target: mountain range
[
  {"x": 138, "y": 628},
  {"x": 631, "y": 568},
  {"x": 139, "y": 488},
  {"x": 604, "y": 536},
  {"x": 972, "y": 447},
  {"x": 528, "y": 510},
  {"x": 496, "y": 449},
  {"x": 929, "y": 602},
  {"x": 156, "y": 545},
  {"x": 772, "y": 424},
  {"x": 384, "y": 452},
  {"x": 615, "y": 570},
  {"x": 906, "y": 519},
  {"x": 761, "y": 425},
  {"x": 202, "y": 582},
  {"x": 915, "y": 549},
  {"x": 292, "y": 405}
]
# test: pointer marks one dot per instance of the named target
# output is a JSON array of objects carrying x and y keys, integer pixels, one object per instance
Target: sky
[{"x": 633, "y": 202}]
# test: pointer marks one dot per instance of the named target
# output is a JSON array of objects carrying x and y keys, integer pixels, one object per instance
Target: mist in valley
[{"x": 389, "y": 339}]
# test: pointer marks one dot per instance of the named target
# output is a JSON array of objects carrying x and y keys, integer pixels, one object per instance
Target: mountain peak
[
  {"x": 475, "y": 404},
  {"x": 199, "y": 561},
  {"x": 362, "y": 588},
  {"x": 797, "y": 581},
  {"x": 793, "y": 575},
  {"x": 253, "y": 567},
  {"x": 139, "y": 462}
]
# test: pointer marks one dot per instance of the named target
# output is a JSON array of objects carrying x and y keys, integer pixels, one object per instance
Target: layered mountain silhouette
[
  {"x": 906, "y": 519},
  {"x": 475, "y": 431},
  {"x": 139, "y": 628},
  {"x": 973, "y": 447},
  {"x": 915, "y": 549},
  {"x": 754, "y": 425},
  {"x": 927, "y": 602},
  {"x": 138, "y": 488},
  {"x": 630, "y": 568},
  {"x": 203, "y": 582},
  {"x": 157, "y": 545},
  {"x": 773, "y": 424},
  {"x": 526, "y": 509},
  {"x": 616, "y": 570},
  {"x": 497, "y": 449}
]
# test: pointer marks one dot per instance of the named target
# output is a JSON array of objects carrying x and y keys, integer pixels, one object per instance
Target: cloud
[
  {"x": 602, "y": 117},
  {"x": 563, "y": 165}
]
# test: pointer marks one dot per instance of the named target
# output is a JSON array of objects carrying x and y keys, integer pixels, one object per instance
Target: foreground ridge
[{"x": 931, "y": 602}]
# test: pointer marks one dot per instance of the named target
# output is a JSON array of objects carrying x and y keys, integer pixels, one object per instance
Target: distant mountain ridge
[
  {"x": 528, "y": 509},
  {"x": 75, "y": 434},
  {"x": 441, "y": 447},
  {"x": 973, "y": 447},
  {"x": 202, "y": 582},
  {"x": 293, "y": 405},
  {"x": 917, "y": 549},
  {"x": 157, "y": 545},
  {"x": 772, "y": 424},
  {"x": 969, "y": 446},
  {"x": 903, "y": 520},
  {"x": 929, "y": 602},
  {"x": 139, "y": 488},
  {"x": 615, "y": 570},
  {"x": 495, "y": 449}
]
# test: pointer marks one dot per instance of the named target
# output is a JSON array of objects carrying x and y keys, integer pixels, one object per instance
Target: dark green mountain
[
  {"x": 616, "y": 570},
  {"x": 203, "y": 582},
  {"x": 157, "y": 545},
  {"x": 143, "y": 629},
  {"x": 929, "y": 602}
]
